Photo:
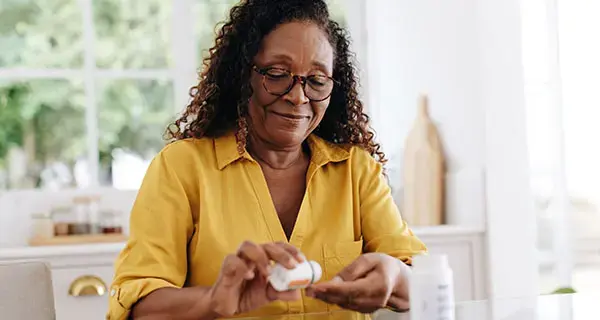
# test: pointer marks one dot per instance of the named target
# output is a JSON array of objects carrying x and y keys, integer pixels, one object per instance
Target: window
[
  {"x": 87, "y": 87},
  {"x": 561, "y": 64}
]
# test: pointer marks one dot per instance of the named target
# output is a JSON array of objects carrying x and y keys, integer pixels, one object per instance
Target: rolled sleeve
[
  {"x": 383, "y": 228},
  {"x": 125, "y": 295},
  {"x": 161, "y": 223}
]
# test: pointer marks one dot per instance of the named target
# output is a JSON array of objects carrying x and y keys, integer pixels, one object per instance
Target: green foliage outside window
[{"x": 43, "y": 120}]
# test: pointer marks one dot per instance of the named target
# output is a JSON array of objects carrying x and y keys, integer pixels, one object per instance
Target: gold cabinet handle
[{"x": 87, "y": 286}]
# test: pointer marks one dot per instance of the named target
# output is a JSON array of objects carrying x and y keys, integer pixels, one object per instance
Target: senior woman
[{"x": 273, "y": 161}]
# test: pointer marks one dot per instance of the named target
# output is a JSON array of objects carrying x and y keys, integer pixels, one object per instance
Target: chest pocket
[{"x": 338, "y": 255}]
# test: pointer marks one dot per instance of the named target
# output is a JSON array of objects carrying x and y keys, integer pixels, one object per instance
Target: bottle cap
[
  {"x": 435, "y": 261},
  {"x": 317, "y": 271}
]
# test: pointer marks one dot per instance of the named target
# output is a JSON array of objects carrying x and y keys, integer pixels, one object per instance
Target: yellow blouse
[{"x": 200, "y": 200}]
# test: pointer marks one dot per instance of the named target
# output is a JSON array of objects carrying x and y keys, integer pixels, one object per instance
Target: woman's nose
[{"x": 296, "y": 94}]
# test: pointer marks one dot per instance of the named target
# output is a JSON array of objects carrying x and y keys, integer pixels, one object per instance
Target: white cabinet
[
  {"x": 90, "y": 301},
  {"x": 88, "y": 268},
  {"x": 70, "y": 263}
]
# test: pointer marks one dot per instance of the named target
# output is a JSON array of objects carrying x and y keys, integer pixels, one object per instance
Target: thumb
[{"x": 359, "y": 268}]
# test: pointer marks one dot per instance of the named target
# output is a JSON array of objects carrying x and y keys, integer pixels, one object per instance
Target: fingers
[
  {"x": 353, "y": 288},
  {"x": 262, "y": 255},
  {"x": 399, "y": 303},
  {"x": 290, "y": 295},
  {"x": 233, "y": 273},
  {"x": 359, "y": 268},
  {"x": 252, "y": 253},
  {"x": 364, "y": 295},
  {"x": 283, "y": 253},
  {"x": 235, "y": 270},
  {"x": 295, "y": 252},
  {"x": 351, "y": 298}
]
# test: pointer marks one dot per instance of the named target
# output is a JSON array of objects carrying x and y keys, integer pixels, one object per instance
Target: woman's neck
[{"x": 275, "y": 158}]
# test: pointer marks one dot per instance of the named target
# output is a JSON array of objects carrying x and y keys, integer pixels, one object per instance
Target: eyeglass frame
[{"x": 295, "y": 78}]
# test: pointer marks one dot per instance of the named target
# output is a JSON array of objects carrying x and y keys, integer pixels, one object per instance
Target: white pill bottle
[
  {"x": 431, "y": 288},
  {"x": 303, "y": 275}
]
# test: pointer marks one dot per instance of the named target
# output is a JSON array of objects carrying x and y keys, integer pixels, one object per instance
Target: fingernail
[
  {"x": 293, "y": 262},
  {"x": 337, "y": 279}
]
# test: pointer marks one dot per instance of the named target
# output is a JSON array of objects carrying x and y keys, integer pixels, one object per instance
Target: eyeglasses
[{"x": 279, "y": 82}]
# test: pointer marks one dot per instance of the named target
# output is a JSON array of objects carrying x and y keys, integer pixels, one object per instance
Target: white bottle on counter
[
  {"x": 431, "y": 288},
  {"x": 303, "y": 275}
]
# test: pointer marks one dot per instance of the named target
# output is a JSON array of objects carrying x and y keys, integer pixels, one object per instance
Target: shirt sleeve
[
  {"x": 161, "y": 223},
  {"x": 382, "y": 225}
]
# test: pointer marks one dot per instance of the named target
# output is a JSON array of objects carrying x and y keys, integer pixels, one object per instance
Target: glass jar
[
  {"x": 110, "y": 222},
  {"x": 94, "y": 214},
  {"x": 62, "y": 218},
  {"x": 86, "y": 210},
  {"x": 81, "y": 225},
  {"x": 42, "y": 226}
]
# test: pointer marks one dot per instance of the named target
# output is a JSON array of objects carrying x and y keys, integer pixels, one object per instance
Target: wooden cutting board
[{"x": 423, "y": 171}]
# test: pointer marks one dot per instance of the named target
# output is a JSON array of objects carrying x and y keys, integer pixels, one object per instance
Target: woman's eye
[
  {"x": 276, "y": 74},
  {"x": 318, "y": 80}
]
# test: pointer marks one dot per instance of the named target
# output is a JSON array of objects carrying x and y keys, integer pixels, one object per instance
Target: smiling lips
[{"x": 291, "y": 116}]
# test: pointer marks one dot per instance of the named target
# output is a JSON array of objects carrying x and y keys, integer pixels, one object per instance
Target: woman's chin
[{"x": 288, "y": 138}]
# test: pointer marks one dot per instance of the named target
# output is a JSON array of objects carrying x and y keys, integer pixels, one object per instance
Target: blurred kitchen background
[{"x": 87, "y": 88}]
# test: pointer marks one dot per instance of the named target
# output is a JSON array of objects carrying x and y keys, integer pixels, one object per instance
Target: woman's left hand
[{"x": 373, "y": 281}]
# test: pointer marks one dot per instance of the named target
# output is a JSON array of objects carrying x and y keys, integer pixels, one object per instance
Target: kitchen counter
[
  {"x": 71, "y": 263},
  {"x": 77, "y": 250},
  {"x": 53, "y": 251},
  {"x": 65, "y": 255}
]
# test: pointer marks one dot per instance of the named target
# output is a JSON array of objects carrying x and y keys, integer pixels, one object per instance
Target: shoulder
[
  {"x": 186, "y": 153},
  {"x": 187, "y": 146},
  {"x": 361, "y": 159},
  {"x": 366, "y": 170}
]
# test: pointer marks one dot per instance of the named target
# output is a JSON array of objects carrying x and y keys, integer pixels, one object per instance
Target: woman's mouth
[{"x": 291, "y": 116}]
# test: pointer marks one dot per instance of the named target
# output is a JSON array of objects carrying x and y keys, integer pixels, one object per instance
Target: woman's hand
[
  {"x": 242, "y": 285},
  {"x": 373, "y": 281}
]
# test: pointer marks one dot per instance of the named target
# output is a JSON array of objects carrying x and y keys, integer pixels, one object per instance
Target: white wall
[
  {"x": 430, "y": 47},
  {"x": 466, "y": 55},
  {"x": 511, "y": 221}
]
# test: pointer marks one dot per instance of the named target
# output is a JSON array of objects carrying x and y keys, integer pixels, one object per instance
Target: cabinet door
[
  {"x": 88, "y": 298},
  {"x": 460, "y": 258}
]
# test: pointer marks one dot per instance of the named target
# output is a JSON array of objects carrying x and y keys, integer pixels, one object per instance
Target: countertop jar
[
  {"x": 62, "y": 217},
  {"x": 110, "y": 222},
  {"x": 86, "y": 210},
  {"x": 42, "y": 226}
]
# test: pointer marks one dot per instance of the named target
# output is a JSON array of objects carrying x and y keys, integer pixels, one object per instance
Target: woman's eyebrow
[
  {"x": 321, "y": 65},
  {"x": 280, "y": 57},
  {"x": 288, "y": 59}
]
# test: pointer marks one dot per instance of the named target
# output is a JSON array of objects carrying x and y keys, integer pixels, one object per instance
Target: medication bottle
[
  {"x": 431, "y": 288},
  {"x": 305, "y": 274}
]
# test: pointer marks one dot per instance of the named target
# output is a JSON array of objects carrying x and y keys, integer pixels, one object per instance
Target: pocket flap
[{"x": 349, "y": 249}]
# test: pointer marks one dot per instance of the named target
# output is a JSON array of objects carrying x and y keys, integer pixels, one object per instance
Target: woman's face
[{"x": 303, "y": 49}]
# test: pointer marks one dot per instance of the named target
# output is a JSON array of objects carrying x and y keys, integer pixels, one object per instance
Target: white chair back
[{"x": 26, "y": 291}]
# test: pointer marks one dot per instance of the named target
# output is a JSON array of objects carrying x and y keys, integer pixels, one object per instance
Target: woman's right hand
[{"x": 242, "y": 285}]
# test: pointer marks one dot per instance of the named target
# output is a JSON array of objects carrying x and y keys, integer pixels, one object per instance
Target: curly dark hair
[{"x": 221, "y": 97}]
